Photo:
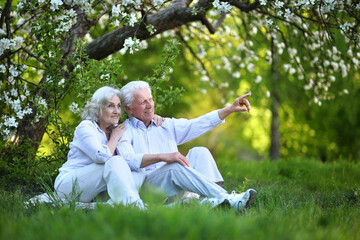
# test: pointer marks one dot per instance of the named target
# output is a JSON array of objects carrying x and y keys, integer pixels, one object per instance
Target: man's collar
[{"x": 138, "y": 123}]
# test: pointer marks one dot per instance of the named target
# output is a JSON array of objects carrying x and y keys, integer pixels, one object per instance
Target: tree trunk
[
  {"x": 275, "y": 123},
  {"x": 275, "y": 104}
]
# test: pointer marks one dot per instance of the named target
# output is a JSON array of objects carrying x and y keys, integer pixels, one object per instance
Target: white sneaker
[
  {"x": 140, "y": 204},
  {"x": 241, "y": 200},
  {"x": 213, "y": 202}
]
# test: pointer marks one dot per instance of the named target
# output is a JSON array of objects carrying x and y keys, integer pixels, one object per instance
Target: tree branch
[
  {"x": 245, "y": 7},
  {"x": 177, "y": 14}
]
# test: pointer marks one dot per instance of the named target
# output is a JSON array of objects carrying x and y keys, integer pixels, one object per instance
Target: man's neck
[{"x": 147, "y": 124}]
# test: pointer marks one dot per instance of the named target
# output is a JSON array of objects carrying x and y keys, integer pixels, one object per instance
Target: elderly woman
[{"x": 93, "y": 163}]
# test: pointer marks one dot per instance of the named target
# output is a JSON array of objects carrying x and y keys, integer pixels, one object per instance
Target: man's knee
[{"x": 200, "y": 153}]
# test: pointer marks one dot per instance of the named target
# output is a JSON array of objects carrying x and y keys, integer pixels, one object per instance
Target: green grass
[{"x": 297, "y": 199}]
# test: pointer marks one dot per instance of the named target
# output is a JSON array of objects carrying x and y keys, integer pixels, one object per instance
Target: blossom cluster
[
  {"x": 74, "y": 107},
  {"x": 56, "y": 4},
  {"x": 132, "y": 44},
  {"x": 120, "y": 12},
  {"x": 66, "y": 21},
  {"x": 221, "y": 7},
  {"x": 10, "y": 44},
  {"x": 16, "y": 101}
]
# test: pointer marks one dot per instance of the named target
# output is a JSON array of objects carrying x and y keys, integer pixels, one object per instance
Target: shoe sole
[{"x": 251, "y": 198}]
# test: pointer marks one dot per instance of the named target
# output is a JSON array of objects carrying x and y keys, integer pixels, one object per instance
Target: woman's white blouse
[{"x": 87, "y": 147}]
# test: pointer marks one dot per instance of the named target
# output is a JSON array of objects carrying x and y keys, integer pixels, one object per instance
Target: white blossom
[
  {"x": 41, "y": 102},
  {"x": 158, "y": 3},
  {"x": 345, "y": 27},
  {"x": 204, "y": 78},
  {"x": 221, "y": 7},
  {"x": 236, "y": 74},
  {"x": 143, "y": 44},
  {"x": 131, "y": 44},
  {"x": 358, "y": 7},
  {"x": 74, "y": 108},
  {"x": 105, "y": 76},
  {"x": 127, "y": 2},
  {"x": 263, "y": 2},
  {"x": 115, "y": 11},
  {"x": 4, "y": 45},
  {"x": 10, "y": 121},
  {"x": 224, "y": 85},
  {"x": 278, "y": 4},
  {"x": 13, "y": 92},
  {"x": 55, "y": 4},
  {"x": 20, "y": 114},
  {"x": 268, "y": 94},
  {"x": 288, "y": 14},
  {"x": 16, "y": 43},
  {"x": 258, "y": 79},
  {"x": 66, "y": 21},
  {"x": 13, "y": 71},
  {"x": 11, "y": 80},
  {"x": 116, "y": 23},
  {"x": 250, "y": 67},
  {"x": 2, "y": 68},
  {"x": 132, "y": 19},
  {"x": 292, "y": 52},
  {"x": 269, "y": 21},
  {"x": 20, "y": 4},
  {"x": 292, "y": 71},
  {"x": 61, "y": 82},
  {"x": 2, "y": 32}
]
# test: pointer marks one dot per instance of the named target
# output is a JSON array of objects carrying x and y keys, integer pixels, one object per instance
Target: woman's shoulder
[{"x": 88, "y": 124}]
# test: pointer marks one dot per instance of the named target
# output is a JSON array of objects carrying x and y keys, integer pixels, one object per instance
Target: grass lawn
[{"x": 297, "y": 199}]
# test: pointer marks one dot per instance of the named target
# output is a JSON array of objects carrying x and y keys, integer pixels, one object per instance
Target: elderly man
[{"x": 152, "y": 148}]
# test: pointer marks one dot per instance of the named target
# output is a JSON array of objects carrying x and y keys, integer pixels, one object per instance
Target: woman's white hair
[
  {"x": 100, "y": 98},
  {"x": 127, "y": 92}
]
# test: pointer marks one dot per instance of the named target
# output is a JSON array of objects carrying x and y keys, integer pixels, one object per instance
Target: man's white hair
[
  {"x": 93, "y": 108},
  {"x": 127, "y": 92}
]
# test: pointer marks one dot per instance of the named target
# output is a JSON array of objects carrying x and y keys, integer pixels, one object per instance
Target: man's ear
[{"x": 128, "y": 109}]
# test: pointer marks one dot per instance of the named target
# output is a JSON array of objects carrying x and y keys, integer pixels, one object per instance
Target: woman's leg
[
  {"x": 83, "y": 184},
  {"x": 114, "y": 176}
]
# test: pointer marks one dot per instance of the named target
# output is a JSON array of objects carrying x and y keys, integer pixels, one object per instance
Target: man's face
[{"x": 143, "y": 106}]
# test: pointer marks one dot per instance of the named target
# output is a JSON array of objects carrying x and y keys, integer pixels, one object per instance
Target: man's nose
[{"x": 148, "y": 104}]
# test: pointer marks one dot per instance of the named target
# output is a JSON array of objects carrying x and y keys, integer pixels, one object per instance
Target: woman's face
[{"x": 110, "y": 113}]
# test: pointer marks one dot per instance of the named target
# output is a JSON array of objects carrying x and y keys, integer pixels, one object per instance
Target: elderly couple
[{"x": 120, "y": 158}]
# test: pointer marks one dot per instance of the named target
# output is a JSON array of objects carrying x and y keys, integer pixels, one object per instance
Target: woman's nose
[{"x": 117, "y": 109}]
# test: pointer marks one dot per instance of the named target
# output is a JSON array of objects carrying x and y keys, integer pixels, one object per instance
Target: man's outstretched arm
[{"x": 241, "y": 104}]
